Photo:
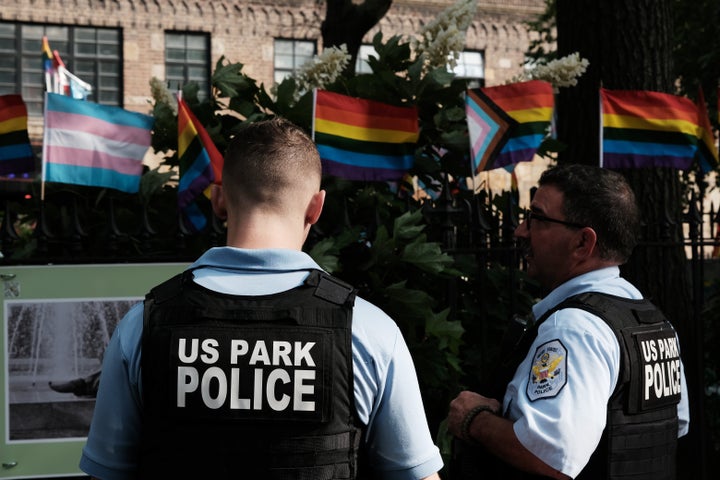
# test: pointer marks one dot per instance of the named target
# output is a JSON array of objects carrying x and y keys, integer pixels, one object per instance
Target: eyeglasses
[{"x": 530, "y": 216}]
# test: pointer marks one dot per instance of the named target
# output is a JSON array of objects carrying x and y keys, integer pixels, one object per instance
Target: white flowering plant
[
  {"x": 561, "y": 72},
  {"x": 442, "y": 40},
  {"x": 322, "y": 70}
]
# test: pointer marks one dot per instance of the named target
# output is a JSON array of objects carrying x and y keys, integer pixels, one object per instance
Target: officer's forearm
[
  {"x": 434, "y": 476},
  {"x": 497, "y": 435}
]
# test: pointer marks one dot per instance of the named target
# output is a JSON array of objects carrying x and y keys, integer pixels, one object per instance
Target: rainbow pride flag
[
  {"x": 48, "y": 60},
  {"x": 362, "y": 139},
  {"x": 488, "y": 129},
  {"x": 200, "y": 165},
  {"x": 647, "y": 129},
  {"x": 707, "y": 153},
  {"x": 16, "y": 155},
  {"x": 531, "y": 105},
  {"x": 86, "y": 143}
]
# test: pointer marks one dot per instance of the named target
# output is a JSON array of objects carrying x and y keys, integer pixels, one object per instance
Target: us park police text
[
  {"x": 662, "y": 367},
  {"x": 263, "y": 354}
]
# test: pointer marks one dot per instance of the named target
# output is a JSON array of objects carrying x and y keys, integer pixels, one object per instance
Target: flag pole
[
  {"x": 313, "y": 113},
  {"x": 600, "y": 160},
  {"x": 43, "y": 164}
]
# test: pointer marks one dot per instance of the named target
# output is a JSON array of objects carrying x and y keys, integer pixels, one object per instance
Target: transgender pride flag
[
  {"x": 361, "y": 139},
  {"x": 90, "y": 144}
]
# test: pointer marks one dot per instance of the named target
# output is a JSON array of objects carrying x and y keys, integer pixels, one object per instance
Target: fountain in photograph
[{"x": 58, "y": 342}]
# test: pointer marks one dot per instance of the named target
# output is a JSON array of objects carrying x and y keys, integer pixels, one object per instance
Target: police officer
[
  {"x": 254, "y": 363},
  {"x": 599, "y": 392}
]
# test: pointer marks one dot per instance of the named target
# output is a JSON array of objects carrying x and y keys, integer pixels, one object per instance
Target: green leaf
[
  {"x": 426, "y": 256},
  {"x": 152, "y": 182},
  {"x": 243, "y": 106},
  {"x": 411, "y": 302},
  {"x": 456, "y": 140},
  {"x": 406, "y": 226},
  {"x": 325, "y": 254},
  {"x": 449, "y": 333},
  {"x": 382, "y": 246},
  {"x": 437, "y": 79},
  {"x": 229, "y": 80}
]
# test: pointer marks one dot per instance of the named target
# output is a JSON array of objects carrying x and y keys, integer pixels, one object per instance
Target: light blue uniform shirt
[
  {"x": 387, "y": 395},
  {"x": 563, "y": 427}
]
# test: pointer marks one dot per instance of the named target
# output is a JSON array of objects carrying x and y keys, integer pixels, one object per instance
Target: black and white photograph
[{"x": 54, "y": 354}]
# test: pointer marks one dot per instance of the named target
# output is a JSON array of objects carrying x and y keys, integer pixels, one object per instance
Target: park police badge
[{"x": 548, "y": 374}]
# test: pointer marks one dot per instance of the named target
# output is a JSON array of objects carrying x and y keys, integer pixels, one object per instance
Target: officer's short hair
[
  {"x": 601, "y": 199},
  {"x": 265, "y": 158}
]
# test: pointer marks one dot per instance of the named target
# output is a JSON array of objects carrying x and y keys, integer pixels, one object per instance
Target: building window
[
  {"x": 187, "y": 59},
  {"x": 361, "y": 64},
  {"x": 92, "y": 54},
  {"x": 471, "y": 66},
  {"x": 290, "y": 55}
]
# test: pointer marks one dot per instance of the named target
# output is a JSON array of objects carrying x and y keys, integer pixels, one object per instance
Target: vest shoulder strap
[
  {"x": 167, "y": 289},
  {"x": 330, "y": 288},
  {"x": 618, "y": 312}
]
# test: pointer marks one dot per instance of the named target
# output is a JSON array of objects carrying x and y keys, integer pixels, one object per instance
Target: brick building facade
[{"x": 244, "y": 31}]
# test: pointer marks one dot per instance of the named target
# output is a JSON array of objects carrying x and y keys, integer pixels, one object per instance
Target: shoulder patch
[{"x": 548, "y": 373}]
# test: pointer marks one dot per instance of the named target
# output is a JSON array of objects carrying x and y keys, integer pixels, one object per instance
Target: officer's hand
[{"x": 462, "y": 405}]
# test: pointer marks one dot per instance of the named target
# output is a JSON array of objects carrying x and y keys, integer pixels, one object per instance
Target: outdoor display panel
[{"x": 56, "y": 323}]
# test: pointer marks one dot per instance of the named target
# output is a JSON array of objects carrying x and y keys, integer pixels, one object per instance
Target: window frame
[
  {"x": 280, "y": 73},
  {"x": 461, "y": 69},
  {"x": 364, "y": 52},
  {"x": 24, "y": 72},
  {"x": 187, "y": 63}
]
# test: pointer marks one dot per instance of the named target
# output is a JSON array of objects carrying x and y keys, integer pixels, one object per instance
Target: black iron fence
[{"x": 89, "y": 226}]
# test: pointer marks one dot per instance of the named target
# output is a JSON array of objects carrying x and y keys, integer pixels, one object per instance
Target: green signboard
[{"x": 56, "y": 323}]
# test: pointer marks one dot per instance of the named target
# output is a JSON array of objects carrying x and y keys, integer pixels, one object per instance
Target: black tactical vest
[
  {"x": 640, "y": 438},
  {"x": 257, "y": 387}
]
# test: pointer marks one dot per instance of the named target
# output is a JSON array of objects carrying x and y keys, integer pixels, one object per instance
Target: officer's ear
[
  {"x": 217, "y": 199},
  {"x": 586, "y": 244},
  {"x": 314, "y": 208}
]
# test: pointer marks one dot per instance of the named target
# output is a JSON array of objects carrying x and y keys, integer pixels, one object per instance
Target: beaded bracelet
[{"x": 469, "y": 417}]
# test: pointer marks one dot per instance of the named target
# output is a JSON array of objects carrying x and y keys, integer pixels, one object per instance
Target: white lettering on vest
[
  {"x": 266, "y": 388},
  {"x": 260, "y": 354},
  {"x": 302, "y": 353},
  {"x": 182, "y": 350},
  {"x": 649, "y": 351},
  {"x": 187, "y": 381},
  {"x": 281, "y": 351},
  {"x": 219, "y": 386},
  {"x": 277, "y": 404},
  {"x": 238, "y": 348},
  {"x": 209, "y": 347},
  {"x": 214, "y": 373},
  {"x": 237, "y": 403},
  {"x": 301, "y": 389},
  {"x": 662, "y": 379}
]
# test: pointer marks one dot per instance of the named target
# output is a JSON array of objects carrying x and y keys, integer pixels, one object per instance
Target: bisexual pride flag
[
  {"x": 16, "y": 155},
  {"x": 647, "y": 129},
  {"x": 362, "y": 139},
  {"x": 96, "y": 145}
]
